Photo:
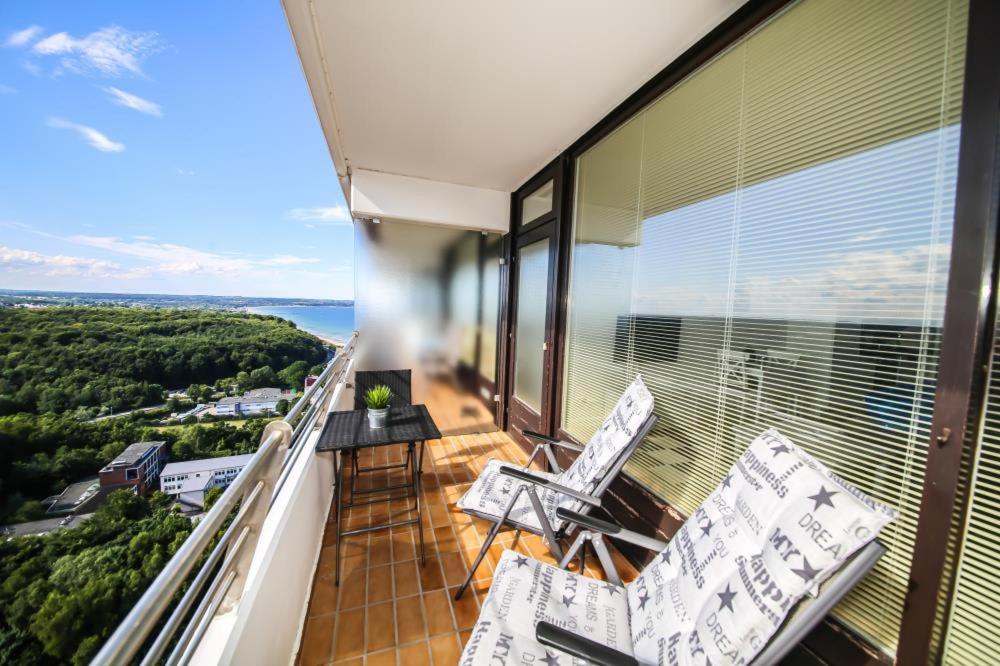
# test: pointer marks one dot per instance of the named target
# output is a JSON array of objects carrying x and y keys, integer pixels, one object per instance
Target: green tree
[
  {"x": 263, "y": 377},
  {"x": 282, "y": 407}
]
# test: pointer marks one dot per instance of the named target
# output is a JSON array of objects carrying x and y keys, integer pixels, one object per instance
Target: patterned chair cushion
[
  {"x": 492, "y": 491},
  {"x": 778, "y": 525},
  {"x": 525, "y": 592},
  {"x": 618, "y": 430}
]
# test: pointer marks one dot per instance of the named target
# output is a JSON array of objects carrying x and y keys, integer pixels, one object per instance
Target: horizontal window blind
[
  {"x": 767, "y": 244},
  {"x": 971, "y": 636}
]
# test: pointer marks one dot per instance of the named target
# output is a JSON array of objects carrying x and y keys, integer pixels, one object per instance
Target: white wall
[{"x": 266, "y": 626}]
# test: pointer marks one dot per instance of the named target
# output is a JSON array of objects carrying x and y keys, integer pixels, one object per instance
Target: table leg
[
  {"x": 419, "y": 468},
  {"x": 413, "y": 467},
  {"x": 338, "y": 473}
]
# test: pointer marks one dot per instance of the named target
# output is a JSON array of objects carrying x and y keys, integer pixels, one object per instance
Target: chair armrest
[
  {"x": 610, "y": 529},
  {"x": 561, "y": 639},
  {"x": 551, "y": 440},
  {"x": 528, "y": 477}
]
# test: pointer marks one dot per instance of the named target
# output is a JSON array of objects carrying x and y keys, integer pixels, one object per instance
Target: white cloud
[
  {"x": 57, "y": 265},
  {"x": 22, "y": 37},
  {"x": 329, "y": 215},
  {"x": 89, "y": 135},
  {"x": 111, "y": 51},
  {"x": 128, "y": 100},
  {"x": 289, "y": 260},
  {"x": 170, "y": 258},
  {"x": 6, "y": 90},
  {"x": 184, "y": 172}
]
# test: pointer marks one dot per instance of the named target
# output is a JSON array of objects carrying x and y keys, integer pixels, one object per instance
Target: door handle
[{"x": 545, "y": 346}]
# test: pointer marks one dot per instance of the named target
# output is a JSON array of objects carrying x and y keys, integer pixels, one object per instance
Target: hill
[{"x": 63, "y": 358}]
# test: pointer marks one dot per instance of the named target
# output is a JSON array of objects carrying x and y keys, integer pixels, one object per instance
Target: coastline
[{"x": 333, "y": 325}]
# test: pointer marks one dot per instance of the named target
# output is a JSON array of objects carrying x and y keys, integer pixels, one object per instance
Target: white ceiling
[{"x": 480, "y": 92}]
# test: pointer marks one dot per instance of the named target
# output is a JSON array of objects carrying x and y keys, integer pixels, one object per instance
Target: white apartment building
[{"x": 189, "y": 480}]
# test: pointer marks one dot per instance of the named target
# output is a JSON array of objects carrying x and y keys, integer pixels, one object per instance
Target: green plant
[{"x": 378, "y": 397}]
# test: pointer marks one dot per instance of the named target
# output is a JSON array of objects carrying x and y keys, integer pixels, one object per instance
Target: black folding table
[{"x": 343, "y": 431}]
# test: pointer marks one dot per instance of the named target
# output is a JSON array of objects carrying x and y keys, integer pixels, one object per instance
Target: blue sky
[{"x": 164, "y": 147}]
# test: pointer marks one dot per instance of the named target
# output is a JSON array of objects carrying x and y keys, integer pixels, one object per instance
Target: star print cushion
[
  {"x": 492, "y": 491},
  {"x": 778, "y": 525},
  {"x": 525, "y": 592},
  {"x": 618, "y": 430}
]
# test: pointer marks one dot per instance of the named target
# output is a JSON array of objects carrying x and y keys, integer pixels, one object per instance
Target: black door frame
[{"x": 547, "y": 225}]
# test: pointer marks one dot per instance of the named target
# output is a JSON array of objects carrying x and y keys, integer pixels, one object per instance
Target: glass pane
[
  {"x": 537, "y": 203},
  {"x": 491, "y": 308},
  {"x": 532, "y": 298},
  {"x": 768, "y": 245}
]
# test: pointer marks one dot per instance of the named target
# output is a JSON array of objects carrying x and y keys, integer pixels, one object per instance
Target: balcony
[
  {"x": 791, "y": 225},
  {"x": 388, "y": 606}
]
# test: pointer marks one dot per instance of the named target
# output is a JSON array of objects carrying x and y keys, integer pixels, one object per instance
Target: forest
[
  {"x": 96, "y": 359},
  {"x": 63, "y": 593}
]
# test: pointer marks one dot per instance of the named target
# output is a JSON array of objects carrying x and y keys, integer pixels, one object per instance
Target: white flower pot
[{"x": 377, "y": 417}]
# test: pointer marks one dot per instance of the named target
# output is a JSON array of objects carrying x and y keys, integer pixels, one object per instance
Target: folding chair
[
  {"x": 527, "y": 500},
  {"x": 398, "y": 382},
  {"x": 742, "y": 581}
]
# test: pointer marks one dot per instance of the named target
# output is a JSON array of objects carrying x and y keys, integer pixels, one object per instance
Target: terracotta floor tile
[
  {"x": 324, "y": 597},
  {"x": 317, "y": 641},
  {"x": 445, "y": 650},
  {"x": 357, "y": 661},
  {"x": 454, "y": 568},
  {"x": 327, "y": 558},
  {"x": 380, "y": 551},
  {"x": 402, "y": 546},
  {"x": 383, "y": 658},
  {"x": 466, "y": 609},
  {"x": 407, "y": 579},
  {"x": 352, "y": 589},
  {"x": 379, "y": 584},
  {"x": 410, "y": 620},
  {"x": 415, "y": 654},
  {"x": 350, "y": 634},
  {"x": 381, "y": 627},
  {"x": 438, "y": 612},
  {"x": 430, "y": 574},
  {"x": 445, "y": 539}
]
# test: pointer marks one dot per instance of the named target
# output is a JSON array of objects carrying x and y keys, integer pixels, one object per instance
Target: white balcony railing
[{"x": 218, "y": 568}]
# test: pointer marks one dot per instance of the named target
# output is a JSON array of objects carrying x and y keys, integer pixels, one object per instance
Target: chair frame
[
  {"x": 807, "y": 613},
  {"x": 551, "y": 535}
]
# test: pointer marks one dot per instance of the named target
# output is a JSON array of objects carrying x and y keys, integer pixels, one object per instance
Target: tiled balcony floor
[{"x": 390, "y": 610}]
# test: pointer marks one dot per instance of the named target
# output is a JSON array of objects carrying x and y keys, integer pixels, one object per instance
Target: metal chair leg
[
  {"x": 488, "y": 542},
  {"x": 550, "y": 535},
  {"x": 517, "y": 537}
]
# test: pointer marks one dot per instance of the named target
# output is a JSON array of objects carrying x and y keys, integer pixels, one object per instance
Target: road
[{"x": 131, "y": 411}]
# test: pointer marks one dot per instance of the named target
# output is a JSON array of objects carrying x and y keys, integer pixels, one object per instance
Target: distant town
[{"x": 23, "y": 298}]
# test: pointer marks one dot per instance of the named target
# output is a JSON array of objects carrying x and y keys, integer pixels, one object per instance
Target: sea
[{"x": 333, "y": 322}]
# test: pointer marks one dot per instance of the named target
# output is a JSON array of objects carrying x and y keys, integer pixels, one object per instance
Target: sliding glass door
[{"x": 768, "y": 245}]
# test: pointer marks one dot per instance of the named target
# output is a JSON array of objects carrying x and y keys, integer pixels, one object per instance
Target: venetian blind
[
  {"x": 974, "y": 622},
  {"x": 767, "y": 244}
]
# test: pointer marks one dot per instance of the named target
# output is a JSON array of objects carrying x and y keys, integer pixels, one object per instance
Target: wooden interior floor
[{"x": 388, "y": 608}]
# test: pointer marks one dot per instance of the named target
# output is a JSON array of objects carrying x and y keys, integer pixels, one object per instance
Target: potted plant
[{"x": 377, "y": 398}]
